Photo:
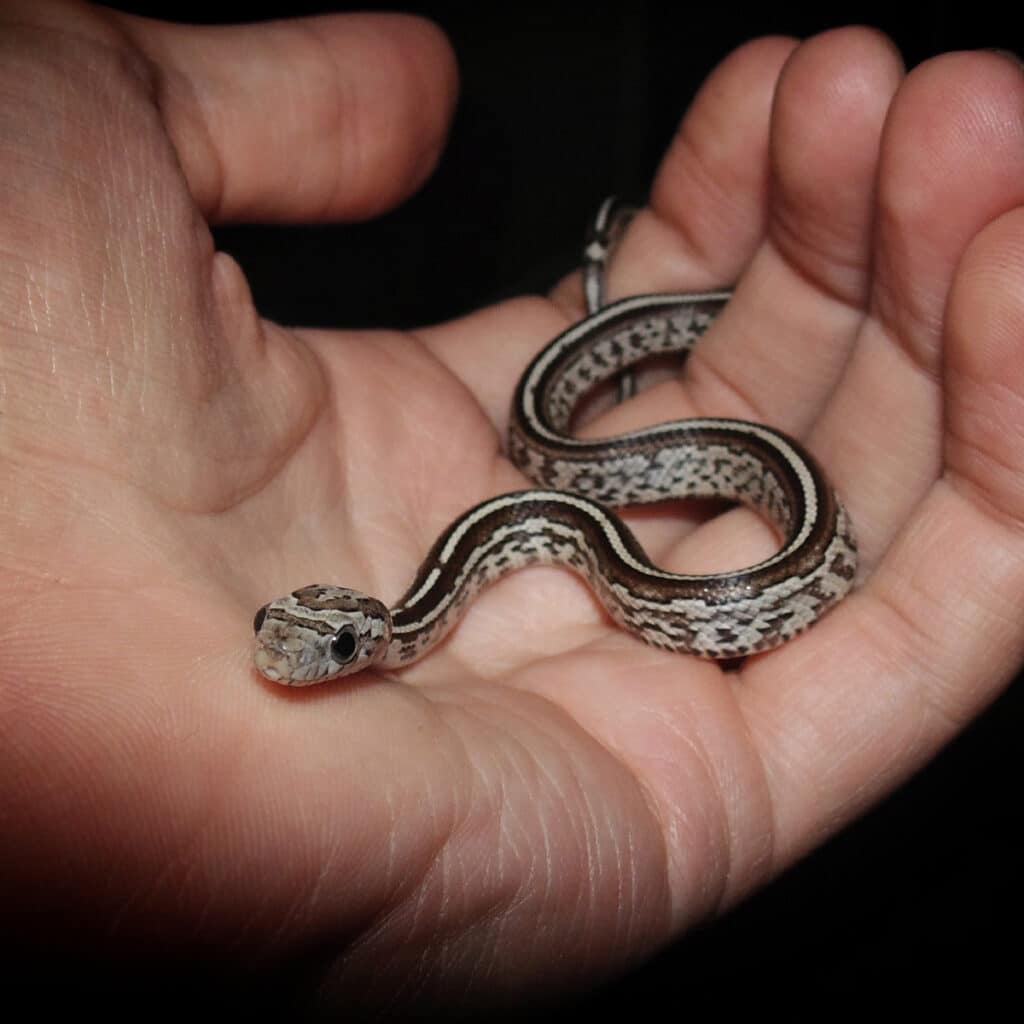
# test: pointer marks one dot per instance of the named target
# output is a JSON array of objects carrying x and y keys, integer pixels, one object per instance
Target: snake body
[{"x": 321, "y": 632}]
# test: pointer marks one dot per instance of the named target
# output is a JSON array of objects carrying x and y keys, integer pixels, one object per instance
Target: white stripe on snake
[{"x": 321, "y": 632}]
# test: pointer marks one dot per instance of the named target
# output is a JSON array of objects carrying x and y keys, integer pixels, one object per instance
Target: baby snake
[{"x": 322, "y": 632}]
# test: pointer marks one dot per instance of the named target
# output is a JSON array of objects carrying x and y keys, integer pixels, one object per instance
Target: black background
[{"x": 562, "y": 104}]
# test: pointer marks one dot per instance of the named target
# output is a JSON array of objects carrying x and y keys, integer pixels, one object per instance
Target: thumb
[{"x": 334, "y": 117}]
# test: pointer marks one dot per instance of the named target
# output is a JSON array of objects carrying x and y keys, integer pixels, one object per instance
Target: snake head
[{"x": 319, "y": 633}]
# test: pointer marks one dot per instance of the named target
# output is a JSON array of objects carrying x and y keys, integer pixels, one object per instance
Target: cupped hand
[{"x": 543, "y": 799}]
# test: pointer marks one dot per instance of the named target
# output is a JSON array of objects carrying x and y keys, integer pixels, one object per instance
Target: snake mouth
[
  {"x": 265, "y": 665},
  {"x": 268, "y": 663},
  {"x": 279, "y": 661}
]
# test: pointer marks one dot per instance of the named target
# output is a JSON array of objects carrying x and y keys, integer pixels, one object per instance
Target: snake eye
[
  {"x": 257, "y": 623},
  {"x": 343, "y": 646}
]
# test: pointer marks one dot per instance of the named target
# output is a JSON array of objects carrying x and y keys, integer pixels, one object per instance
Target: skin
[{"x": 543, "y": 800}]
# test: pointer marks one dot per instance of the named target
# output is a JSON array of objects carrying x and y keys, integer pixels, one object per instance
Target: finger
[
  {"x": 708, "y": 197},
  {"x": 984, "y": 372},
  {"x": 951, "y": 160},
  {"x": 728, "y": 123},
  {"x": 335, "y": 117},
  {"x": 874, "y": 689},
  {"x": 778, "y": 349},
  {"x": 779, "y": 354}
]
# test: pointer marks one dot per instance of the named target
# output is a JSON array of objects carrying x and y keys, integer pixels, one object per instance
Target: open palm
[{"x": 544, "y": 798}]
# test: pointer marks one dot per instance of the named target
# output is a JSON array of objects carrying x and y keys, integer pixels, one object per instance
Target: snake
[{"x": 324, "y": 631}]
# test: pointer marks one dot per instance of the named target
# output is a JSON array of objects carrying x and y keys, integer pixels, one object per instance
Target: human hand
[{"x": 543, "y": 799}]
